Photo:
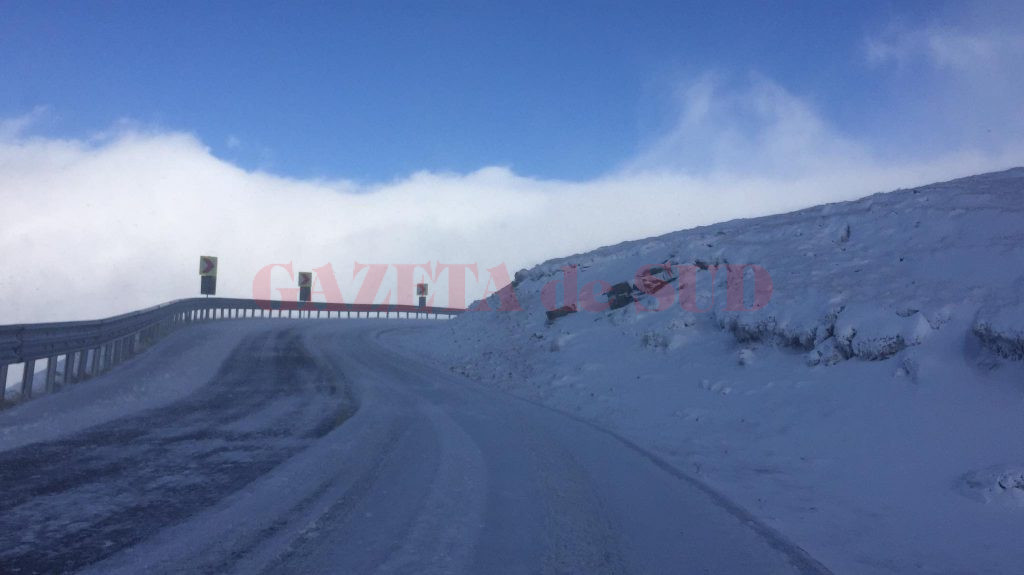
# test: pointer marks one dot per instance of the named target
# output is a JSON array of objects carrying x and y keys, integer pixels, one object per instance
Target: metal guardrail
[{"x": 84, "y": 349}]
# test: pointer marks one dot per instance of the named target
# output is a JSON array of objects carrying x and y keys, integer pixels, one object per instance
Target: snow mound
[
  {"x": 1001, "y": 330},
  {"x": 999, "y": 484}
]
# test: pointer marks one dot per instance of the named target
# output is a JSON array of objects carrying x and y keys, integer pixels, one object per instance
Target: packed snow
[
  {"x": 187, "y": 360},
  {"x": 871, "y": 410}
]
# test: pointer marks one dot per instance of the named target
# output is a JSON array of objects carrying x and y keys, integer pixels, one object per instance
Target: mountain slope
[{"x": 872, "y": 409}]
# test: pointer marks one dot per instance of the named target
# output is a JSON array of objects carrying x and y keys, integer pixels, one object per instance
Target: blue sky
[
  {"x": 136, "y": 136},
  {"x": 378, "y": 90}
]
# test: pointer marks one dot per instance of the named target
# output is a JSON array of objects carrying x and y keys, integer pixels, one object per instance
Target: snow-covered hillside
[{"x": 872, "y": 410}]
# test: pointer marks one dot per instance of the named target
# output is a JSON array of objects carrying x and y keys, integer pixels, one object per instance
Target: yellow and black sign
[
  {"x": 208, "y": 275},
  {"x": 305, "y": 286},
  {"x": 208, "y": 266}
]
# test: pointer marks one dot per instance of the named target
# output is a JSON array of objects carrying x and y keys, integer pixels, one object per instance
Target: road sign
[
  {"x": 208, "y": 285},
  {"x": 208, "y": 266},
  {"x": 421, "y": 289},
  {"x": 208, "y": 275},
  {"x": 305, "y": 286}
]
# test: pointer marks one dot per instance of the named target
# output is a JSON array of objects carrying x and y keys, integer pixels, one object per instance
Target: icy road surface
[{"x": 313, "y": 448}]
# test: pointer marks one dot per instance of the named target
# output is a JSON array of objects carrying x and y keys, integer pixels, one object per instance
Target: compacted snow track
[{"x": 316, "y": 449}]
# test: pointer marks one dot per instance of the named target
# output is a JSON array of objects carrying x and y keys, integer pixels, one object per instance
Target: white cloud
[
  {"x": 954, "y": 82},
  {"x": 98, "y": 226},
  {"x": 945, "y": 47},
  {"x": 752, "y": 127},
  {"x": 13, "y": 127}
]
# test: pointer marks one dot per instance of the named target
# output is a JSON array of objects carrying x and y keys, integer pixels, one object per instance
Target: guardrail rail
[{"x": 78, "y": 350}]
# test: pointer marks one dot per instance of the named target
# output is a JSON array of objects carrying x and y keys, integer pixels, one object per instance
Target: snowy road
[{"x": 317, "y": 449}]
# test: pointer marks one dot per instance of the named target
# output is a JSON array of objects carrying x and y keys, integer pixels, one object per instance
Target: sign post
[
  {"x": 305, "y": 286},
  {"x": 421, "y": 291},
  {"x": 208, "y": 275}
]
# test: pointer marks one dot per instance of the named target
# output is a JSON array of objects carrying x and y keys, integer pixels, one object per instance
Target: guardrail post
[
  {"x": 72, "y": 376},
  {"x": 90, "y": 366},
  {"x": 104, "y": 358},
  {"x": 51, "y": 373},
  {"x": 70, "y": 370},
  {"x": 26, "y": 379},
  {"x": 85, "y": 365},
  {"x": 79, "y": 365}
]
